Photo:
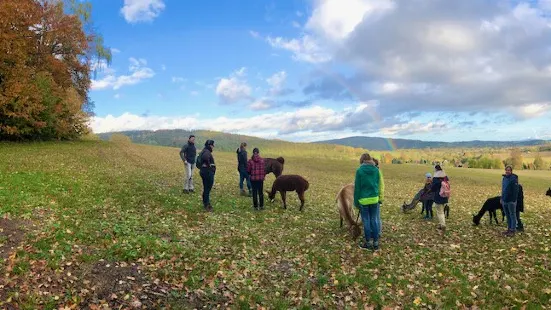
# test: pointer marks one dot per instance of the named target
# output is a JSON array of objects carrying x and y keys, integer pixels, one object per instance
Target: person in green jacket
[{"x": 368, "y": 195}]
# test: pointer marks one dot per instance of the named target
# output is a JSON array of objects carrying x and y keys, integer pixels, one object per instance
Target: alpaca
[
  {"x": 548, "y": 193},
  {"x": 491, "y": 206},
  {"x": 274, "y": 166},
  {"x": 345, "y": 203},
  {"x": 289, "y": 183}
]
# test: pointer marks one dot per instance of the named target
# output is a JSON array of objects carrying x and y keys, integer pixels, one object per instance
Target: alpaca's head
[
  {"x": 476, "y": 220},
  {"x": 548, "y": 193},
  {"x": 271, "y": 196}
]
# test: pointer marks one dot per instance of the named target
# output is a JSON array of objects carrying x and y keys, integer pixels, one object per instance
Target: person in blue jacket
[{"x": 509, "y": 194}]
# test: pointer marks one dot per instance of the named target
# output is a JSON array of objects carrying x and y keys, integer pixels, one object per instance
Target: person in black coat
[
  {"x": 207, "y": 172},
  {"x": 187, "y": 154},
  {"x": 439, "y": 201},
  {"x": 242, "y": 168}
]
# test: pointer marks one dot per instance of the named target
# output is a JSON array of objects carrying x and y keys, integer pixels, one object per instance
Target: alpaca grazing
[
  {"x": 491, "y": 206},
  {"x": 274, "y": 165},
  {"x": 345, "y": 203},
  {"x": 548, "y": 193},
  {"x": 289, "y": 183}
]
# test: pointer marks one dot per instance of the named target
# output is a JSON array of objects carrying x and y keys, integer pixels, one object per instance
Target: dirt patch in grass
[{"x": 12, "y": 233}]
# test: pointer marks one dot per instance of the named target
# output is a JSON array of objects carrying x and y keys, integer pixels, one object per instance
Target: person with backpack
[
  {"x": 187, "y": 154},
  {"x": 441, "y": 189},
  {"x": 509, "y": 194},
  {"x": 207, "y": 170},
  {"x": 368, "y": 192},
  {"x": 256, "y": 169},
  {"x": 242, "y": 169},
  {"x": 427, "y": 197}
]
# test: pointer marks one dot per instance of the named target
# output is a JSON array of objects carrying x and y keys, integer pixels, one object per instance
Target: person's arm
[
  {"x": 183, "y": 153},
  {"x": 381, "y": 187},
  {"x": 357, "y": 188}
]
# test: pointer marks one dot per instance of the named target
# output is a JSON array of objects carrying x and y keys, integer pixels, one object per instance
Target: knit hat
[
  {"x": 428, "y": 175},
  {"x": 438, "y": 168},
  {"x": 256, "y": 150}
]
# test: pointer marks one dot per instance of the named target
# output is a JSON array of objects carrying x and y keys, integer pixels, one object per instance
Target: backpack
[
  {"x": 445, "y": 191},
  {"x": 199, "y": 160}
]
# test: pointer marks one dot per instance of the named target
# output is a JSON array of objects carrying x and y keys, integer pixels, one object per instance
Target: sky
[{"x": 310, "y": 70}]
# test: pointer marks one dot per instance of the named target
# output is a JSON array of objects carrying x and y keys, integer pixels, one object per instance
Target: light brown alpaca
[{"x": 345, "y": 203}]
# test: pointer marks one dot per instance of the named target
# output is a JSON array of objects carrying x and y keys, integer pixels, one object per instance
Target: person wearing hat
[
  {"x": 439, "y": 201},
  {"x": 207, "y": 172},
  {"x": 427, "y": 198},
  {"x": 256, "y": 170},
  {"x": 187, "y": 154}
]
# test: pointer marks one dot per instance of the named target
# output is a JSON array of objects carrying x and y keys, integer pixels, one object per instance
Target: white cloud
[
  {"x": 115, "y": 50},
  {"x": 306, "y": 48},
  {"x": 277, "y": 83},
  {"x": 261, "y": 104},
  {"x": 178, "y": 79},
  {"x": 117, "y": 96},
  {"x": 138, "y": 72},
  {"x": 532, "y": 110},
  {"x": 414, "y": 127},
  {"x": 163, "y": 67},
  {"x": 234, "y": 88},
  {"x": 295, "y": 24},
  {"x": 314, "y": 119},
  {"x": 135, "y": 11},
  {"x": 429, "y": 56},
  {"x": 254, "y": 34}
]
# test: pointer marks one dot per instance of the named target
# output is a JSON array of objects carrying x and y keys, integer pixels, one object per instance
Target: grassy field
[{"x": 94, "y": 223}]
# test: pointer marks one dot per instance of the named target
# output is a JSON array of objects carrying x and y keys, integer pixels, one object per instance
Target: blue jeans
[
  {"x": 511, "y": 213},
  {"x": 371, "y": 221},
  {"x": 244, "y": 175}
]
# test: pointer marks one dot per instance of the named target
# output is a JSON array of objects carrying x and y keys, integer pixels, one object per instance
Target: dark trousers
[
  {"x": 207, "y": 175},
  {"x": 244, "y": 176},
  {"x": 427, "y": 206},
  {"x": 258, "y": 193}
]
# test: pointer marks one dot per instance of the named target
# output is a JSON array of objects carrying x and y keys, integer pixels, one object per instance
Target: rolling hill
[{"x": 383, "y": 144}]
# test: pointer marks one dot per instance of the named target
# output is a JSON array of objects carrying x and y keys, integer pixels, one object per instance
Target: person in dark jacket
[
  {"x": 256, "y": 169},
  {"x": 439, "y": 201},
  {"x": 207, "y": 172},
  {"x": 242, "y": 168},
  {"x": 427, "y": 198},
  {"x": 368, "y": 195},
  {"x": 187, "y": 154},
  {"x": 509, "y": 194}
]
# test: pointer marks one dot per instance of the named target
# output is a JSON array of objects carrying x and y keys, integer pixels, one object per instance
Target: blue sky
[{"x": 313, "y": 69}]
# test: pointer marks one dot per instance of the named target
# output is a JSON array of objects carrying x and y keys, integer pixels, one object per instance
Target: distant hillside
[
  {"x": 383, "y": 144},
  {"x": 230, "y": 142}
]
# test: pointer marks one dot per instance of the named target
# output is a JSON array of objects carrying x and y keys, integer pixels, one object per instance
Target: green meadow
[{"x": 97, "y": 224}]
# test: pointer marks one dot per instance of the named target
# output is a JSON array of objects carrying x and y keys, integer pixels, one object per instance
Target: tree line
[{"x": 47, "y": 51}]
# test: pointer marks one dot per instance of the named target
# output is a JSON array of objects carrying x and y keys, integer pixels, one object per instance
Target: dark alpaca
[
  {"x": 345, "y": 203},
  {"x": 289, "y": 183},
  {"x": 548, "y": 193},
  {"x": 274, "y": 165},
  {"x": 491, "y": 206}
]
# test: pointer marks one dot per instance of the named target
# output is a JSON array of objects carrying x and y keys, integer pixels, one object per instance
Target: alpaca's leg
[
  {"x": 301, "y": 197},
  {"x": 283, "y": 196},
  {"x": 341, "y": 221}
]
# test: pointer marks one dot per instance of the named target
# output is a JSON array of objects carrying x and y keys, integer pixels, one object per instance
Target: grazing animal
[
  {"x": 491, "y": 206},
  {"x": 548, "y": 193},
  {"x": 289, "y": 183},
  {"x": 345, "y": 203},
  {"x": 447, "y": 211},
  {"x": 274, "y": 165}
]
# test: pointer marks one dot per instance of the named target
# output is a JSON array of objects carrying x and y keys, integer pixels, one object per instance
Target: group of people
[
  {"x": 250, "y": 170},
  {"x": 368, "y": 187}
]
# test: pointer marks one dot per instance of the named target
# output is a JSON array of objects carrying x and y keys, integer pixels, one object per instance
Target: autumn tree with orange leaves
[{"x": 47, "y": 50}]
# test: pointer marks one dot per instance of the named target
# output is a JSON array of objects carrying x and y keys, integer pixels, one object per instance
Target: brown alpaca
[
  {"x": 345, "y": 203},
  {"x": 289, "y": 183},
  {"x": 274, "y": 166}
]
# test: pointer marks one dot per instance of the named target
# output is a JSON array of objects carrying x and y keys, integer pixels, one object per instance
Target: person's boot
[{"x": 243, "y": 192}]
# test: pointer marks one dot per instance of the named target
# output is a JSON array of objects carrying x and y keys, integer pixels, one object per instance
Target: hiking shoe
[
  {"x": 376, "y": 247},
  {"x": 521, "y": 228},
  {"x": 185, "y": 191},
  {"x": 365, "y": 246},
  {"x": 191, "y": 191},
  {"x": 209, "y": 208},
  {"x": 510, "y": 233}
]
